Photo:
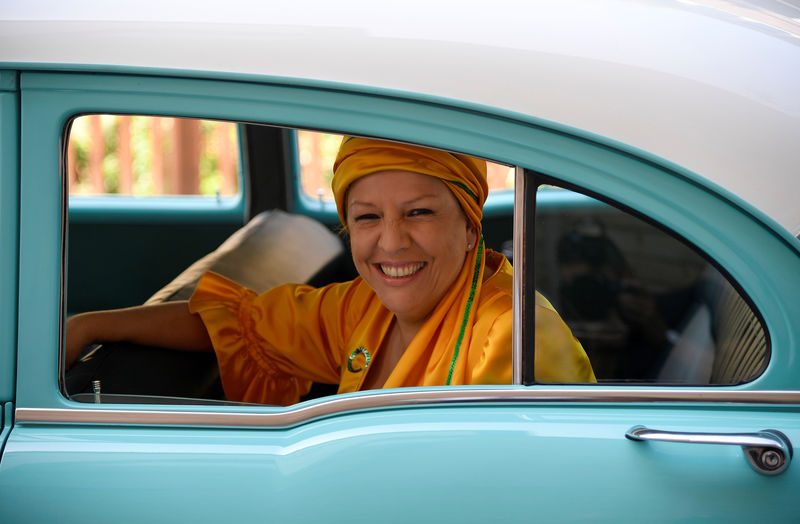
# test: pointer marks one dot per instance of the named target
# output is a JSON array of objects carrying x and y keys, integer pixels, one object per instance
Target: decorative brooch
[{"x": 354, "y": 354}]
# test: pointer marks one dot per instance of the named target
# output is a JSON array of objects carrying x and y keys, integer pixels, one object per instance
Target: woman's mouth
[{"x": 401, "y": 271}]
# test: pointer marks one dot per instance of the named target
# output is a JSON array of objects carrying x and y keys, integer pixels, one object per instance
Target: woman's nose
[{"x": 393, "y": 237}]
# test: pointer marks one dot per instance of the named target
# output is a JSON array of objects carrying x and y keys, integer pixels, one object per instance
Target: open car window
[
  {"x": 647, "y": 308},
  {"x": 156, "y": 260}
]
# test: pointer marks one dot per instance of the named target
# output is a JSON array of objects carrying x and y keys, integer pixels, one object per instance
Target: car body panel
[
  {"x": 635, "y": 183},
  {"x": 692, "y": 70},
  {"x": 481, "y": 463},
  {"x": 9, "y": 191}
]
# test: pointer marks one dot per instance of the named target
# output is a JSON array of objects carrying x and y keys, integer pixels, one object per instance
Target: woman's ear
[{"x": 472, "y": 236}]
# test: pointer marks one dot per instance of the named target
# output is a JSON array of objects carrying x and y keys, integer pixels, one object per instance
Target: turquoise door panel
[
  {"x": 476, "y": 461},
  {"x": 723, "y": 227},
  {"x": 9, "y": 193},
  {"x": 556, "y": 463}
]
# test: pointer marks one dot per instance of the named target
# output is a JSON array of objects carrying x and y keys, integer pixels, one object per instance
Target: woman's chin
[{"x": 406, "y": 304}]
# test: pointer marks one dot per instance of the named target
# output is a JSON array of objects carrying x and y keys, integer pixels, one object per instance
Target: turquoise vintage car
[{"x": 646, "y": 181}]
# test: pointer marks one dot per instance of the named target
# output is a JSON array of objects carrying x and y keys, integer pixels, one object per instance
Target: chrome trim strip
[
  {"x": 519, "y": 214},
  {"x": 402, "y": 399},
  {"x": 63, "y": 165}
]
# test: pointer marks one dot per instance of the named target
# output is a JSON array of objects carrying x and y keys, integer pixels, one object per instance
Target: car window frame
[
  {"x": 9, "y": 224},
  {"x": 535, "y": 181},
  {"x": 513, "y": 139}
]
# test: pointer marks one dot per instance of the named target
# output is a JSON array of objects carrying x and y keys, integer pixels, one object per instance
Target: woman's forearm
[{"x": 168, "y": 325}]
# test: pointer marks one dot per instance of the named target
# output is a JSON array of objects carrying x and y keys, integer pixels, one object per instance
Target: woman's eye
[
  {"x": 366, "y": 216},
  {"x": 420, "y": 212}
]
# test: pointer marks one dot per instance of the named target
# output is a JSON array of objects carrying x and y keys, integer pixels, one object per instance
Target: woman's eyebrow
[
  {"x": 360, "y": 203},
  {"x": 417, "y": 199},
  {"x": 404, "y": 203}
]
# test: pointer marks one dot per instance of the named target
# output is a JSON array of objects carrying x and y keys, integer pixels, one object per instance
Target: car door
[
  {"x": 690, "y": 368},
  {"x": 9, "y": 148},
  {"x": 522, "y": 451}
]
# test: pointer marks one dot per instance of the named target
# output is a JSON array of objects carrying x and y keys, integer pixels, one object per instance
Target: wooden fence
[{"x": 168, "y": 156}]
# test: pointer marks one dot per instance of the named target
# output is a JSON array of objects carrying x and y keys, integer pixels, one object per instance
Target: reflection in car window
[{"x": 646, "y": 307}]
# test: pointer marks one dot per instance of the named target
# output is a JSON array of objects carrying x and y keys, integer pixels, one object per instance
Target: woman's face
[{"x": 409, "y": 239}]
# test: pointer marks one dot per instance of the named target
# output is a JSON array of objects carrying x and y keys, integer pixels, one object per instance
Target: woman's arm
[{"x": 168, "y": 325}]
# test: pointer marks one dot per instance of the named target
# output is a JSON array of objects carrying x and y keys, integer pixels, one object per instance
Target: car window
[
  {"x": 646, "y": 306},
  {"x": 152, "y": 156},
  {"x": 126, "y": 262}
]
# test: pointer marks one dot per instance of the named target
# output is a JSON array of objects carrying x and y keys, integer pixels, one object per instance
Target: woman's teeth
[{"x": 401, "y": 271}]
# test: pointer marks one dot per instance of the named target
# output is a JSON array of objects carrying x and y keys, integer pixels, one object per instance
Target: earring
[{"x": 469, "y": 246}]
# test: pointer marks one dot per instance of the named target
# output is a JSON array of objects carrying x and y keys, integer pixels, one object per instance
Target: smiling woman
[{"x": 432, "y": 304}]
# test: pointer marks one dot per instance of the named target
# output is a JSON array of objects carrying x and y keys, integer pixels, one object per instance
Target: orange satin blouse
[{"x": 271, "y": 347}]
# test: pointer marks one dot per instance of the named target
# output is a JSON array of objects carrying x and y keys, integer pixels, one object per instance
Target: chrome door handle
[{"x": 768, "y": 451}]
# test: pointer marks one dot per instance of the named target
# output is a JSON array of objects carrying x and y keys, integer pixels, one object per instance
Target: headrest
[{"x": 275, "y": 247}]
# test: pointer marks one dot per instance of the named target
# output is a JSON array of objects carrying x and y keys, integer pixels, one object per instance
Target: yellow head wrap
[
  {"x": 358, "y": 157},
  {"x": 432, "y": 358}
]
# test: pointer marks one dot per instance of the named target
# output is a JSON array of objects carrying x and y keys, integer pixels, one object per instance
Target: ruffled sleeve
[{"x": 270, "y": 347}]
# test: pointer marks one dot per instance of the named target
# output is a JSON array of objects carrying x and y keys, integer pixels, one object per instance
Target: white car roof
[{"x": 711, "y": 85}]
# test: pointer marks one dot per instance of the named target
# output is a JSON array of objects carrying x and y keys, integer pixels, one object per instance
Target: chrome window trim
[
  {"x": 402, "y": 399},
  {"x": 63, "y": 158},
  {"x": 517, "y": 239}
]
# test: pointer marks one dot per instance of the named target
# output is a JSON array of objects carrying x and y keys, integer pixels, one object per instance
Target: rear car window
[
  {"x": 646, "y": 306},
  {"x": 152, "y": 156}
]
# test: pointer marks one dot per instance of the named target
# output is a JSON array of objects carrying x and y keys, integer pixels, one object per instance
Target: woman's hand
[{"x": 79, "y": 335}]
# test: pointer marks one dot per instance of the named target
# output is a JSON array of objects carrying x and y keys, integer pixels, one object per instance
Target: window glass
[
  {"x": 317, "y": 151},
  {"x": 152, "y": 156},
  {"x": 645, "y": 306}
]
